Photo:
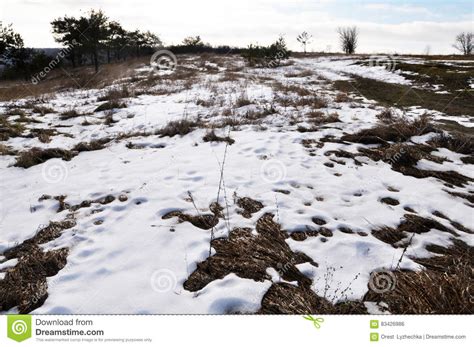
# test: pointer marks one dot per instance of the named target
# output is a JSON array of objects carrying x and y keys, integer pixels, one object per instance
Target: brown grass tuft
[
  {"x": 211, "y": 136},
  {"x": 444, "y": 287}
]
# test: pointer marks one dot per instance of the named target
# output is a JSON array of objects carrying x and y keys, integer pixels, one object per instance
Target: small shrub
[
  {"x": 8, "y": 129},
  {"x": 313, "y": 102},
  {"x": 342, "y": 97},
  {"x": 317, "y": 118},
  {"x": 69, "y": 114},
  {"x": 269, "y": 57},
  {"x": 386, "y": 115},
  {"x": 91, "y": 146},
  {"x": 16, "y": 112},
  {"x": 242, "y": 100},
  {"x": 178, "y": 127},
  {"x": 42, "y": 110},
  {"x": 115, "y": 94},
  {"x": 456, "y": 142}
]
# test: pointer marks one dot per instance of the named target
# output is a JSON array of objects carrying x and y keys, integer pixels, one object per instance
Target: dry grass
[
  {"x": 313, "y": 102},
  {"x": 386, "y": 115},
  {"x": 25, "y": 285},
  {"x": 249, "y": 206},
  {"x": 457, "y": 103},
  {"x": 94, "y": 145},
  {"x": 179, "y": 127},
  {"x": 8, "y": 129},
  {"x": 6, "y": 150},
  {"x": 445, "y": 287},
  {"x": 211, "y": 136},
  {"x": 249, "y": 256},
  {"x": 242, "y": 100},
  {"x": 399, "y": 130},
  {"x": 115, "y": 94},
  {"x": 318, "y": 118},
  {"x": 42, "y": 110},
  {"x": 36, "y": 156},
  {"x": 110, "y": 105},
  {"x": 342, "y": 97},
  {"x": 291, "y": 89},
  {"x": 410, "y": 224},
  {"x": 70, "y": 114},
  {"x": 78, "y": 78},
  {"x": 456, "y": 142},
  {"x": 403, "y": 158}
]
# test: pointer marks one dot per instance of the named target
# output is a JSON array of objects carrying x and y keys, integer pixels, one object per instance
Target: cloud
[
  {"x": 249, "y": 21},
  {"x": 405, "y": 9}
]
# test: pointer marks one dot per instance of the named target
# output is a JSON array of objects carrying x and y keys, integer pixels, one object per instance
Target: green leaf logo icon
[{"x": 19, "y": 327}]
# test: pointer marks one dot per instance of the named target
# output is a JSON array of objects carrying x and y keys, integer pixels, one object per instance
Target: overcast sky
[{"x": 385, "y": 26}]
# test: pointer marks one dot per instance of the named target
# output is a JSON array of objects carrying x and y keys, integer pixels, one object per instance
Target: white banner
[{"x": 236, "y": 330}]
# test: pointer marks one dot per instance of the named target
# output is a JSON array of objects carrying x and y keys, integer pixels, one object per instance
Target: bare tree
[
  {"x": 348, "y": 37},
  {"x": 464, "y": 43},
  {"x": 304, "y": 39}
]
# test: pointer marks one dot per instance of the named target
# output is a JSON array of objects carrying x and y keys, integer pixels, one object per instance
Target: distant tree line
[
  {"x": 93, "y": 39},
  {"x": 17, "y": 60},
  {"x": 194, "y": 44},
  {"x": 89, "y": 39}
]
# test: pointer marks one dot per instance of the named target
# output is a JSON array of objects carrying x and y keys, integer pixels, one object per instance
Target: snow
[
  {"x": 341, "y": 69},
  {"x": 136, "y": 262}
]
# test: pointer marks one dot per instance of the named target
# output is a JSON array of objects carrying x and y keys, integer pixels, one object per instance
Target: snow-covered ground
[{"x": 124, "y": 258}]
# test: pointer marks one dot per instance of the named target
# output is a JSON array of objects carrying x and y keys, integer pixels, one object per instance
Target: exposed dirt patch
[
  {"x": 318, "y": 220},
  {"x": 344, "y": 154},
  {"x": 211, "y": 136},
  {"x": 410, "y": 224},
  {"x": 201, "y": 221},
  {"x": 467, "y": 196},
  {"x": 92, "y": 145},
  {"x": 249, "y": 206},
  {"x": 389, "y": 235},
  {"x": 390, "y": 201},
  {"x": 87, "y": 203},
  {"x": 403, "y": 158}
]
